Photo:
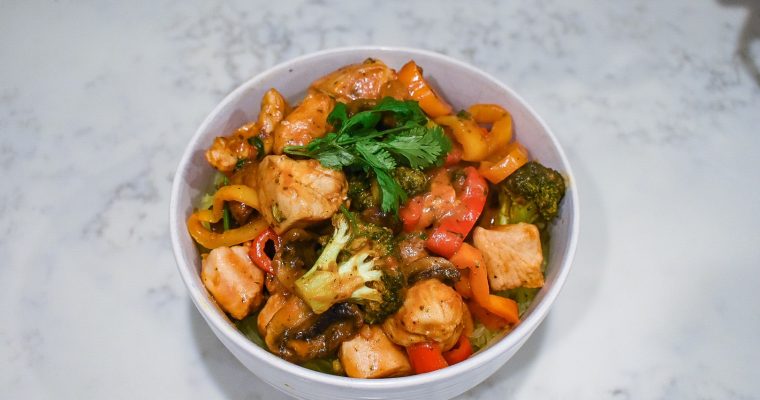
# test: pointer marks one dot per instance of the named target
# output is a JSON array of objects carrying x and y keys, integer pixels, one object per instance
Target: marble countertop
[{"x": 656, "y": 103}]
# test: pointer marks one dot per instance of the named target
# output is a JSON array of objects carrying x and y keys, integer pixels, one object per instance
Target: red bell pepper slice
[
  {"x": 448, "y": 236},
  {"x": 460, "y": 352},
  {"x": 411, "y": 213},
  {"x": 257, "y": 253},
  {"x": 426, "y": 357}
]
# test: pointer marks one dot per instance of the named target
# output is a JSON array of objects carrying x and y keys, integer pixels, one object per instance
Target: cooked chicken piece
[
  {"x": 356, "y": 81},
  {"x": 296, "y": 193},
  {"x": 232, "y": 279},
  {"x": 273, "y": 304},
  {"x": 290, "y": 315},
  {"x": 225, "y": 152},
  {"x": 370, "y": 354},
  {"x": 431, "y": 311},
  {"x": 274, "y": 108},
  {"x": 512, "y": 254},
  {"x": 306, "y": 122}
]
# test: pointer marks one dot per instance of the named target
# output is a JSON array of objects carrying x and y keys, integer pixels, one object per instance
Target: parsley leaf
[
  {"x": 411, "y": 143},
  {"x": 361, "y": 141}
]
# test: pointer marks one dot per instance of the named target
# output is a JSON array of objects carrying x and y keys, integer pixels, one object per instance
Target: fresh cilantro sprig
[{"x": 361, "y": 141}]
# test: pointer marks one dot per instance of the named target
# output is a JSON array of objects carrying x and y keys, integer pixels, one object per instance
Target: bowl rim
[{"x": 222, "y": 325}]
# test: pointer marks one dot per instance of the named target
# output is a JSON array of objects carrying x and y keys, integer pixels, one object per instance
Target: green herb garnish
[
  {"x": 256, "y": 142},
  {"x": 363, "y": 141}
]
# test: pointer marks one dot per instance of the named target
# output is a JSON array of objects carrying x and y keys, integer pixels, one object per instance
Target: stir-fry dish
[{"x": 371, "y": 230}]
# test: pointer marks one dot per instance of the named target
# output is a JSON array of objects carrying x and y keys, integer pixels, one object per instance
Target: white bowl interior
[{"x": 461, "y": 85}]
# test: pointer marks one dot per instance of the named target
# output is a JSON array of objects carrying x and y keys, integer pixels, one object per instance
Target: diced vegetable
[
  {"x": 461, "y": 351},
  {"x": 426, "y": 357},
  {"x": 449, "y": 235},
  {"x": 471, "y": 258}
]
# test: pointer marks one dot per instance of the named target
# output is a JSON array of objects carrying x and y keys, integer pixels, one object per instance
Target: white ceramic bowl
[{"x": 461, "y": 85}]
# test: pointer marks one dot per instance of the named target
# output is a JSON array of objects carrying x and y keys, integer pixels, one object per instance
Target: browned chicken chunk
[
  {"x": 431, "y": 311},
  {"x": 356, "y": 81},
  {"x": 370, "y": 354},
  {"x": 232, "y": 279},
  {"x": 306, "y": 122},
  {"x": 296, "y": 193},
  {"x": 273, "y": 304},
  {"x": 225, "y": 152},
  {"x": 512, "y": 254},
  {"x": 273, "y": 111}
]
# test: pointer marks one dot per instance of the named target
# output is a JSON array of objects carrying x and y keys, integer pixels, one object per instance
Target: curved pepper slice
[
  {"x": 471, "y": 258},
  {"x": 501, "y": 125},
  {"x": 426, "y": 357},
  {"x": 410, "y": 75},
  {"x": 257, "y": 253},
  {"x": 212, "y": 240},
  {"x": 449, "y": 235},
  {"x": 460, "y": 352},
  {"x": 469, "y": 134},
  {"x": 514, "y": 157}
]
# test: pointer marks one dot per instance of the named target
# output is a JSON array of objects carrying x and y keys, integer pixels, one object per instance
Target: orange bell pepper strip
[
  {"x": 468, "y": 134},
  {"x": 471, "y": 258},
  {"x": 462, "y": 286},
  {"x": 514, "y": 157},
  {"x": 449, "y": 235},
  {"x": 488, "y": 319},
  {"x": 426, "y": 357},
  {"x": 410, "y": 75},
  {"x": 460, "y": 352},
  {"x": 501, "y": 125}
]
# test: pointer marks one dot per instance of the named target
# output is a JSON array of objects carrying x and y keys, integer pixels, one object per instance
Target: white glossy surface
[{"x": 657, "y": 112}]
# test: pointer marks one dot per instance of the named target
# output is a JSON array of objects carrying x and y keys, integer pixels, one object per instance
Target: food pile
[{"x": 371, "y": 230}]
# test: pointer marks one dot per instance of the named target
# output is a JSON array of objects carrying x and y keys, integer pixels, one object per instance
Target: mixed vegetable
[{"x": 371, "y": 230}]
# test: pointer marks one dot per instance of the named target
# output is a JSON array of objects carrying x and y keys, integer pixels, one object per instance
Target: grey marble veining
[{"x": 656, "y": 103}]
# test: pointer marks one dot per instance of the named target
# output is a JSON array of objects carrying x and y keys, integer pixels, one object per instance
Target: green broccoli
[
  {"x": 363, "y": 191},
  {"x": 356, "y": 278},
  {"x": 413, "y": 181},
  {"x": 365, "y": 235},
  {"x": 391, "y": 287},
  {"x": 531, "y": 194}
]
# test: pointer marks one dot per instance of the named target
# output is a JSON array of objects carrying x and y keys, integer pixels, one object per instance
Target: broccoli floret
[
  {"x": 363, "y": 191},
  {"x": 391, "y": 287},
  {"x": 329, "y": 282},
  {"x": 413, "y": 181},
  {"x": 531, "y": 194},
  {"x": 365, "y": 235}
]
